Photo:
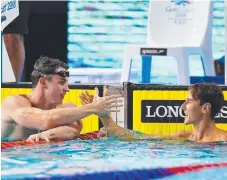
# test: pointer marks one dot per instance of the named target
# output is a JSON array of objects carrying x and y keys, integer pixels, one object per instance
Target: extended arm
[
  {"x": 19, "y": 109},
  {"x": 124, "y": 134},
  {"x": 113, "y": 129},
  {"x": 68, "y": 132}
]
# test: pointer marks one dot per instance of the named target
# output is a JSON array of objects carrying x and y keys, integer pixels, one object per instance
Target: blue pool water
[{"x": 78, "y": 157}]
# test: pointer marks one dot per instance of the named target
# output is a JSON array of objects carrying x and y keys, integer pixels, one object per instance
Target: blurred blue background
[{"x": 99, "y": 29}]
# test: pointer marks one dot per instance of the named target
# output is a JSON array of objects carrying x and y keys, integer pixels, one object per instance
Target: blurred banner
[
  {"x": 225, "y": 42},
  {"x": 9, "y": 11}
]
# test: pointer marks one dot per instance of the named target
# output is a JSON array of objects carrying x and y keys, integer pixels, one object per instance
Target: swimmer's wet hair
[
  {"x": 208, "y": 93},
  {"x": 44, "y": 66}
]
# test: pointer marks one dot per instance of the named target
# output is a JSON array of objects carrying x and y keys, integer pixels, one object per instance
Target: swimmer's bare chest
[{"x": 13, "y": 131}]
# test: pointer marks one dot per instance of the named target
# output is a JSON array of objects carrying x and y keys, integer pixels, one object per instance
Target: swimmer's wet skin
[
  {"x": 24, "y": 115},
  {"x": 203, "y": 102}
]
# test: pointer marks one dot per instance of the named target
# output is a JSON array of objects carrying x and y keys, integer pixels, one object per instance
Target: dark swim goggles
[{"x": 62, "y": 73}]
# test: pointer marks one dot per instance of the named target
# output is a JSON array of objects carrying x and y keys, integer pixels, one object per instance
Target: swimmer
[
  {"x": 203, "y": 102},
  {"x": 26, "y": 115}
]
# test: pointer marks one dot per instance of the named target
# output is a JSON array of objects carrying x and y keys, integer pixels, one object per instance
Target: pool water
[{"x": 106, "y": 155}]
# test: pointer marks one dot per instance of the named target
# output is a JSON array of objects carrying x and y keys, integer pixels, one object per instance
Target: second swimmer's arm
[{"x": 115, "y": 130}]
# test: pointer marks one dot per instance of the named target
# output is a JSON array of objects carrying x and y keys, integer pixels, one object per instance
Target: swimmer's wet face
[
  {"x": 52, "y": 75},
  {"x": 192, "y": 109},
  {"x": 57, "y": 87},
  {"x": 203, "y": 100}
]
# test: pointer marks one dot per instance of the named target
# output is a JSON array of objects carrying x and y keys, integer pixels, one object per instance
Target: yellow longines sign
[
  {"x": 158, "y": 110},
  {"x": 152, "y": 109}
]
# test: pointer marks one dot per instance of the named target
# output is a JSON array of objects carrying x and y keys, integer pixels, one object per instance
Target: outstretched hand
[
  {"x": 103, "y": 105},
  {"x": 86, "y": 98}
]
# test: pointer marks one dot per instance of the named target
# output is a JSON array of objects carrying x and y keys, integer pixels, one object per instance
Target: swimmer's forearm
[
  {"x": 129, "y": 135},
  {"x": 48, "y": 119},
  {"x": 108, "y": 121},
  {"x": 61, "y": 132},
  {"x": 69, "y": 115},
  {"x": 115, "y": 130},
  {"x": 124, "y": 134}
]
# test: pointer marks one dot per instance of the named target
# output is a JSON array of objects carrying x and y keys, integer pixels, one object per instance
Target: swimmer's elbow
[
  {"x": 51, "y": 120},
  {"x": 45, "y": 125},
  {"x": 70, "y": 135},
  {"x": 48, "y": 122},
  {"x": 74, "y": 134}
]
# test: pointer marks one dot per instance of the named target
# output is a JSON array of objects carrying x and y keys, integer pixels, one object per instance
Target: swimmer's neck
[
  {"x": 38, "y": 100},
  {"x": 204, "y": 130}
]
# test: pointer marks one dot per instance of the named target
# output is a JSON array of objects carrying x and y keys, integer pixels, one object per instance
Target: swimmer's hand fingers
[
  {"x": 86, "y": 98},
  {"x": 89, "y": 96},
  {"x": 37, "y": 137},
  {"x": 33, "y": 138},
  {"x": 45, "y": 137}
]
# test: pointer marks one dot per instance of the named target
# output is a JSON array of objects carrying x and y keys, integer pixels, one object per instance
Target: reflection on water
[{"x": 107, "y": 154}]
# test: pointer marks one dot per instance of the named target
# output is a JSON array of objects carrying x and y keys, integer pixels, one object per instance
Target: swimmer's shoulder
[
  {"x": 16, "y": 99},
  {"x": 10, "y": 103}
]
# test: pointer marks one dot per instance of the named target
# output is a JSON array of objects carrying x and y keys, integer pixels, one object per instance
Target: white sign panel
[
  {"x": 9, "y": 11},
  {"x": 7, "y": 71}
]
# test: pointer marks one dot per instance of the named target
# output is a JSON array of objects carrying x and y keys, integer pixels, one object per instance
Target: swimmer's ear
[
  {"x": 42, "y": 82},
  {"x": 206, "y": 107}
]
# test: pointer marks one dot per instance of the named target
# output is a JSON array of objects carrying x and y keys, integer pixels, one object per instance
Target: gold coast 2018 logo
[
  {"x": 6, "y": 6},
  {"x": 180, "y": 10}
]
